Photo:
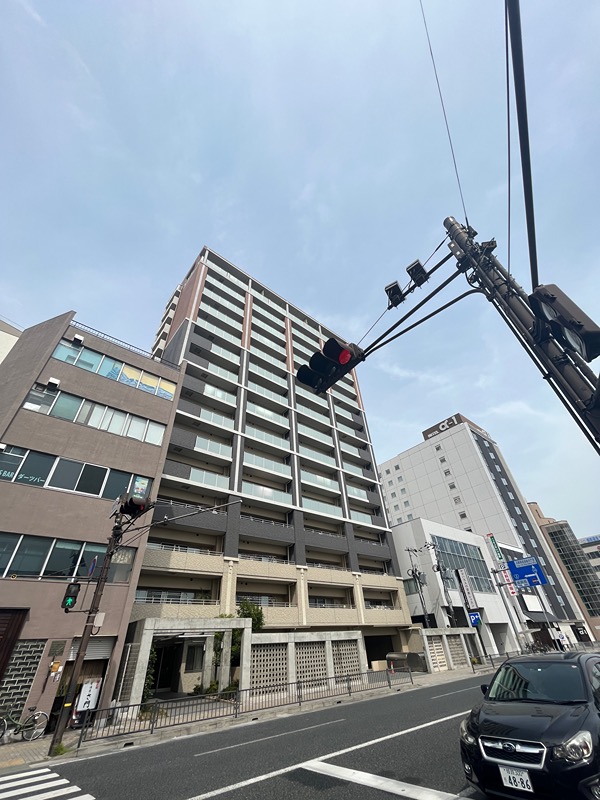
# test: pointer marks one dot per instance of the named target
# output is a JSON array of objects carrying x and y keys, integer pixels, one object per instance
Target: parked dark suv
[{"x": 537, "y": 732}]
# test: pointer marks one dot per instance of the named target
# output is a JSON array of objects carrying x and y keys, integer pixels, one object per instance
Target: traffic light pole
[{"x": 67, "y": 707}]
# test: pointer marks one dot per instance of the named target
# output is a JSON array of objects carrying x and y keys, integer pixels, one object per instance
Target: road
[{"x": 398, "y": 744}]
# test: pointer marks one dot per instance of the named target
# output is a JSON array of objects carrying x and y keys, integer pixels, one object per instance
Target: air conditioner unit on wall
[
  {"x": 52, "y": 384},
  {"x": 78, "y": 340}
]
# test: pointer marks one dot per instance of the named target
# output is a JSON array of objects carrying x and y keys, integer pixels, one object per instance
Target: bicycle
[{"x": 30, "y": 728}]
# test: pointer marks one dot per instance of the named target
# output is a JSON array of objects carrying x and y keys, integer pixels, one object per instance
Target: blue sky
[{"x": 304, "y": 141}]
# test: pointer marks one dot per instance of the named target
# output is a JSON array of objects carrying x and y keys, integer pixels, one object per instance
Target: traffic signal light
[
  {"x": 69, "y": 601},
  {"x": 137, "y": 500},
  {"x": 327, "y": 366},
  {"x": 568, "y": 323}
]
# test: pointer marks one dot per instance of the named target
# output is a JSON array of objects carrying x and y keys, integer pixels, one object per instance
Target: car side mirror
[{"x": 484, "y": 687}]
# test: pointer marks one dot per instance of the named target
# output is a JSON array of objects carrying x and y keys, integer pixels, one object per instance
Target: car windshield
[{"x": 538, "y": 682}]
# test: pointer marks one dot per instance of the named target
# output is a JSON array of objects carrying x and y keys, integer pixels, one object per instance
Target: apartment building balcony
[
  {"x": 174, "y": 609},
  {"x": 325, "y": 539},
  {"x": 167, "y": 557},
  {"x": 190, "y": 443},
  {"x": 332, "y": 615},
  {"x": 266, "y": 527},
  {"x": 255, "y": 565},
  {"x": 205, "y": 519},
  {"x": 384, "y": 615},
  {"x": 328, "y": 574}
]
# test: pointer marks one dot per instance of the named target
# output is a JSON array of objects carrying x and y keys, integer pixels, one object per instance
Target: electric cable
[
  {"x": 462, "y": 199},
  {"x": 508, "y": 139}
]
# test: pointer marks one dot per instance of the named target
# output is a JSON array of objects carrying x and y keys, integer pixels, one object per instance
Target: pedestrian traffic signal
[
  {"x": 69, "y": 601},
  {"x": 326, "y": 367},
  {"x": 567, "y": 322}
]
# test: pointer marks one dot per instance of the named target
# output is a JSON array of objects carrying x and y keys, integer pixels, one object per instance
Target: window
[
  {"x": 63, "y": 559},
  {"x": 492, "y": 456},
  {"x": 462, "y": 515},
  {"x": 518, "y": 510},
  {"x": 504, "y": 481},
  {"x": 95, "y": 415},
  {"x": 406, "y": 504},
  {"x": 452, "y": 486},
  {"x": 93, "y": 361},
  {"x": 457, "y": 501},
  {"x": 402, "y": 491},
  {"x": 10, "y": 461},
  {"x": 438, "y": 447},
  {"x": 409, "y": 516},
  {"x": 499, "y": 469},
  {"x": 30, "y": 556},
  {"x": 525, "y": 526},
  {"x": 398, "y": 520},
  {"x": 551, "y": 580},
  {"x": 446, "y": 472},
  {"x": 35, "y": 469},
  {"x": 542, "y": 561},
  {"x": 66, "y": 474},
  {"x": 560, "y": 600},
  {"x": 387, "y": 472},
  {"x": 533, "y": 543},
  {"x": 443, "y": 460},
  {"x": 396, "y": 467},
  {"x": 511, "y": 495},
  {"x": 390, "y": 483},
  {"x": 487, "y": 444},
  {"x": 393, "y": 494},
  {"x": 396, "y": 508},
  {"x": 194, "y": 658}
]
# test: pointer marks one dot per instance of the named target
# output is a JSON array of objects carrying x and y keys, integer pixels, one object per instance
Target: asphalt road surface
[{"x": 402, "y": 744}]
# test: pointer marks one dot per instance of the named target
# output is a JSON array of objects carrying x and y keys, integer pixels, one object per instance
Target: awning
[{"x": 539, "y": 616}]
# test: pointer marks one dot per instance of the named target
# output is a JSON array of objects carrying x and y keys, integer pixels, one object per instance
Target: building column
[
  {"x": 302, "y": 595},
  {"x": 225, "y": 665},
  {"x": 329, "y": 658},
  {"x": 292, "y": 674},
  {"x": 145, "y": 631},
  {"x": 362, "y": 653},
  {"x": 246, "y": 657},
  {"x": 207, "y": 665},
  {"x": 228, "y": 586},
  {"x": 359, "y": 600}
]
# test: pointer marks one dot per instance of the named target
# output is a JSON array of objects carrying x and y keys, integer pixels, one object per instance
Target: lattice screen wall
[
  {"x": 269, "y": 665},
  {"x": 345, "y": 657},
  {"x": 310, "y": 661}
]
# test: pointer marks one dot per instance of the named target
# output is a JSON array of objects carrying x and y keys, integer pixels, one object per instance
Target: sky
[{"x": 305, "y": 142}]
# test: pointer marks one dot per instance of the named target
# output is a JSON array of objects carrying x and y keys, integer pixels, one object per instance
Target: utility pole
[
  {"x": 67, "y": 708},
  {"x": 419, "y": 578}
]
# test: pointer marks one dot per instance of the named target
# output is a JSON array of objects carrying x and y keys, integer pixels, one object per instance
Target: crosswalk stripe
[
  {"x": 23, "y": 789},
  {"x": 29, "y": 779},
  {"x": 14, "y": 775},
  {"x": 56, "y": 793}
]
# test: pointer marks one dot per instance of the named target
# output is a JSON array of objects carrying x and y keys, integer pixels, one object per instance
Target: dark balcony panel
[
  {"x": 254, "y": 527},
  {"x": 176, "y": 469},
  {"x": 366, "y": 548},
  {"x": 323, "y": 541},
  {"x": 183, "y": 438}
]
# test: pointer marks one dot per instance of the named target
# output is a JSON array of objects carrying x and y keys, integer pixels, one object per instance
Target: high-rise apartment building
[
  {"x": 303, "y": 535},
  {"x": 458, "y": 477}
]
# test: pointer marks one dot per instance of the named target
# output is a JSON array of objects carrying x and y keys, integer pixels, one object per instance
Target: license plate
[{"x": 516, "y": 778}]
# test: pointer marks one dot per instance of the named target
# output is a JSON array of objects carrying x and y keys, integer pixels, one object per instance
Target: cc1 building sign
[{"x": 526, "y": 572}]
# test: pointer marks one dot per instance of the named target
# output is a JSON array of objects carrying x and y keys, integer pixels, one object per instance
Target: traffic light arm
[{"x": 570, "y": 377}]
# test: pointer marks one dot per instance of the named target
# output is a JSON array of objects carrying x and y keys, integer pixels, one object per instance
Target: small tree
[{"x": 148, "y": 690}]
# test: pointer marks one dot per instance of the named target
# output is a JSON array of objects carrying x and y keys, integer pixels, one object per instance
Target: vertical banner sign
[
  {"x": 467, "y": 589},
  {"x": 501, "y": 563}
]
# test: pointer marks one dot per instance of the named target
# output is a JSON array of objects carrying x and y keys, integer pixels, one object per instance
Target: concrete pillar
[
  {"x": 362, "y": 653},
  {"x": 207, "y": 666},
  {"x": 225, "y": 666},
  {"x": 228, "y": 586},
  {"x": 291, "y": 661},
  {"x": 146, "y": 634},
  {"x": 245, "y": 658},
  {"x": 302, "y": 595},
  {"x": 446, "y": 646},
  {"x": 359, "y": 600},
  {"x": 330, "y": 672}
]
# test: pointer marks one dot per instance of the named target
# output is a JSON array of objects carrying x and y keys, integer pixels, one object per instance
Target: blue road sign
[
  {"x": 526, "y": 572},
  {"x": 475, "y": 618}
]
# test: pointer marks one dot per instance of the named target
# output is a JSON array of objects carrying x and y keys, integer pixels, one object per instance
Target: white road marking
[
  {"x": 458, "y": 691},
  {"x": 276, "y": 773},
  {"x": 377, "y": 782},
  {"x": 265, "y": 738},
  {"x": 10, "y": 781},
  {"x": 37, "y": 781},
  {"x": 23, "y": 789},
  {"x": 13, "y": 775}
]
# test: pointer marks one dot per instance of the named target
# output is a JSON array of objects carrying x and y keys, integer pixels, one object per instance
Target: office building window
[
  {"x": 462, "y": 515},
  {"x": 533, "y": 543},
  {"x": 551, "y": 580},
  {"x": 446, "y": 472},
  {"x": 396, "y": 467},
  {"x": 457, "y": 500},
  {"x": 511, "y": 495},
  {"x": 460, "y": 555},
  {"x": 406, "y": 504},
  {"x": 542, "y": 561},
  {"x": 438, "y": 447},
  {"x": 387, "y": 472},
  {"x": 452, "y": 486},
  {"x": 443, "y": 460},
  {"x": 560, "y": 600},
  {"x": 396, "y": 508},
  {"x": 492, "y": 456},
  {"x": 393, "y": 494},
  {"x": 390, "y": 483},
  {"x": 518, "y": 510},
  {"x": 409, "y": 516},
  {"x": 504, "y": 481},
  {"x": 499, "y": 469},
  {"x": 402, "y": 491},
  {"x": 525, "y": 526}
]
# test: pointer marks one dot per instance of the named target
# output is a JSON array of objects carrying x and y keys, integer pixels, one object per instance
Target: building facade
[
  {"x": 298, "y": 528},
  {"x": 8, "y": 336},
  {"x": 83, "y": 419},
  {"x": 458, "y": 477}
]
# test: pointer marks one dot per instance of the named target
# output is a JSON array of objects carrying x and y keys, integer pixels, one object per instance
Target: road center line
[
  {"x": 301, "y": 765},
  {"x": 377, "y": 782},
  {"x": 266, "y": 738}
]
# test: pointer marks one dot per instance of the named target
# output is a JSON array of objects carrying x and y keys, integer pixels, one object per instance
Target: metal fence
[
  {"x": 481, "y": 663},
  {"x": 105, "y": 723}
]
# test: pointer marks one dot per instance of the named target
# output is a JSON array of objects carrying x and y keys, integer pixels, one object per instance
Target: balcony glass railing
[
  {"x": 205, "y": 325},
  {"x": 217, "y": 419},
  {"x": 181, "y": 548},
  {"x": 266, "y": 413},
  {"x": 278, "y": 346},
  {"x": 354, "y": 492},
  {"x": 354, "y": 470},
  {"x": 264, "y": 436},
  {"x": 354, "y": 451},
  {"x": 167, "y": 596},
  {"x": 220, "y": 371},
  {"x": 324, "y": 508},
  {"x": 311, "y": 396},
  {"x": 211, "y": 311},
  {"x": 358, "y": 516},
  {"x": 209, "y": 478},
  {"x": 208, "y": 445},
  {"x": 226, "y": 354},
  {"x": 220, "y": 394},
  {"x": 269, "y": 375},
  {"x": 260, "y": 310},
  {"x": 317, "y": 455},
  {"x": 315, "y": 434},
  {"x": 209, "y": 292},
  {"x": 320, "y": 480},
  {"x": 233, "y": 278},
  {"x": 266, "y": 492},
  {"x": 264, "y": 392},
  {"x": 251, "y": 459},
  {"x": 258, "y": 353}
]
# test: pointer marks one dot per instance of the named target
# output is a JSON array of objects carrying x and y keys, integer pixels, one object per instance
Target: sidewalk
[{"x": 16, "y": 754}]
